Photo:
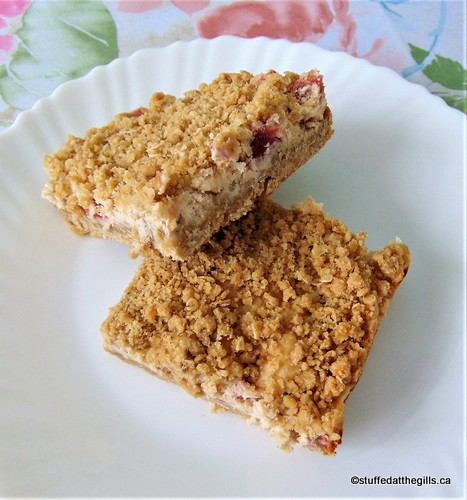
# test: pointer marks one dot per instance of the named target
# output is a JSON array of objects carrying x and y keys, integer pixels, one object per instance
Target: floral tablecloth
[{"x": 43, "y": 43}]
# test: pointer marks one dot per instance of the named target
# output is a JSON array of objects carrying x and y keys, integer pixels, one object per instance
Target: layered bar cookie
[
  {"x": 273, "y": 319},
  {"x": 169, "y": 175}
]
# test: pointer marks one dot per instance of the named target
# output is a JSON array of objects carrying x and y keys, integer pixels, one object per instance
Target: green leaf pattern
[
  {"x": 447, "y": 73},
  {"x": 58, "y": 41}
]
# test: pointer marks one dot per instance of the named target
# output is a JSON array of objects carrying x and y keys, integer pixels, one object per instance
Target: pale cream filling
[{"x": 193, "y": 206}]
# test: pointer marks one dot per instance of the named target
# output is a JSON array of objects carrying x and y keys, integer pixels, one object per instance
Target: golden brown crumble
[
  {"x": 277, "y": 312},
  {"x": 156, "y": 151}
]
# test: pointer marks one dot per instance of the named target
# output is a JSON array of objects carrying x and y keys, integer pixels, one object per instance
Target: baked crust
[
  {"x": 272, "y": 319},
  {"x": 169, "y": 175}
]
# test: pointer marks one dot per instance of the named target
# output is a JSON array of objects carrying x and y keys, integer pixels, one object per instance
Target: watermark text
[{"x": 395, "y": 480}]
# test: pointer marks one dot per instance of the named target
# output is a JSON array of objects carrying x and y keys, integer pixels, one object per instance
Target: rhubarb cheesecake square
[
  {"x": 169, "y": 175},
  {"x": 272, "y": 319}
]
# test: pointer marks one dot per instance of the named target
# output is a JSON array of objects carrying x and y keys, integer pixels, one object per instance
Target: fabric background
[{"x": 46, "y": 42}]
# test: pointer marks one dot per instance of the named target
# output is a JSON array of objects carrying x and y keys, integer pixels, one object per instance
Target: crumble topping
[
  {"x": 155, "y": 152},
  {"x": 273, "y": 318}
]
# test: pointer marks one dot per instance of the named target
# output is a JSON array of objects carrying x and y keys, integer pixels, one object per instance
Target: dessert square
[
  {"x": 272, "y": 319},
  {"x": 169, "y": 175}
]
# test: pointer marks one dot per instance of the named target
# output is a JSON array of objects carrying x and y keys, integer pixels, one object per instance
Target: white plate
[{"x": 75, "y": 421}]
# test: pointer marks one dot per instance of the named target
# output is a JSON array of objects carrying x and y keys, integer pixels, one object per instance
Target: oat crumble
[{"x": 273, "y": 318}]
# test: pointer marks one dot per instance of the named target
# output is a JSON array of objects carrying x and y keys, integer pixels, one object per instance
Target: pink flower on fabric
[
  {"x": 7, "y": 42},
  {"x": 9, "y": 9},
  {"x": 13, "y": 8},
  {"x": 191, "y": 6},
  {"x": 140, "y": 6},
  {"x": 294, "y": 21}
]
